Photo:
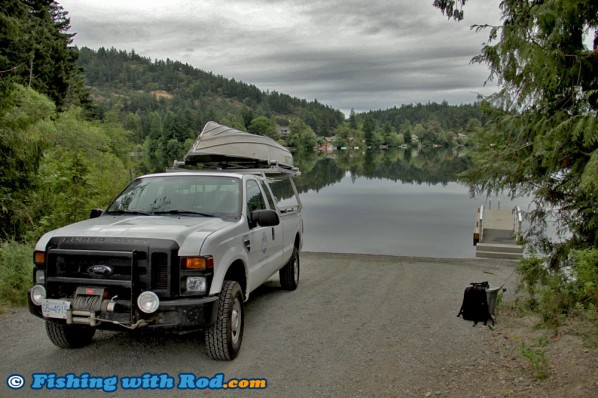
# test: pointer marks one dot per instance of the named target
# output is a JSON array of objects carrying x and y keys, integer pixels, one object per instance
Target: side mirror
[
  {"x": 95, "y": 213},
  {"x": 264, "y": 218}
]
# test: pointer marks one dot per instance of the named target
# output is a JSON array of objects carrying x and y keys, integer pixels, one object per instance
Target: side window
[
  {"x": 255, "y": 200},
  {"x": 284, "y": 194},
  {"x": 268, "y": 195}
]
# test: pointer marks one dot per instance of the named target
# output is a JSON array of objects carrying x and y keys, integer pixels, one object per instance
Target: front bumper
[{"x": 180, "y": 315}]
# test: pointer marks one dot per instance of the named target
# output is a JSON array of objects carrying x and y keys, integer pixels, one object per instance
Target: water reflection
[{"x": 397, "y": 202}]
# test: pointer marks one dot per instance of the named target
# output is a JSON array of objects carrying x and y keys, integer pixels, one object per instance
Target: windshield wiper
[
  {"x": 119, "y": 212},
  {"x": 184, "y": 212}
]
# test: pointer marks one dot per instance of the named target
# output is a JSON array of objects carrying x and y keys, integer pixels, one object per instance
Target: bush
[
  {"x": 585, "y": 268},
  {"x": 16, "y": 267},
  {"x": 532, "y": 272},
  {"x": 557, "y": 292}
]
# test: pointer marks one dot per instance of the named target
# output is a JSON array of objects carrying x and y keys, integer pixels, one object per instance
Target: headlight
[
  {"x": 196, "y": 284},
  {"x": 40, "y": 276},
  {"x": 38, "y": 293},
  {"x": 148, "y": 302}
]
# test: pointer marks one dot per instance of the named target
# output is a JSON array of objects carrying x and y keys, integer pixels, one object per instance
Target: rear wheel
[
  {"x": 289, "y": 274},
  {"x": 69, "y": 336},
  {"x": 224, "y": 337}
]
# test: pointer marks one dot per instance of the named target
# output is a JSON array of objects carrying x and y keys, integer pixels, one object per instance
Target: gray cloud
[{"x": 347, "y": 54}]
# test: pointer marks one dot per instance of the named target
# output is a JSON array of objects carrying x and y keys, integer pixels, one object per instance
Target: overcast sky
[{"x": 360, "y": 54}]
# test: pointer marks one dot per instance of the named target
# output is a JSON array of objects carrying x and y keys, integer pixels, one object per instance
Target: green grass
[
  {"x": 536, "y": 355},
  {"x": 16, "y": 265}
]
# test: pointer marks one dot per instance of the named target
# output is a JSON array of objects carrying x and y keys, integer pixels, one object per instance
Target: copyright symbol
[{"x": 15, "y": 382}]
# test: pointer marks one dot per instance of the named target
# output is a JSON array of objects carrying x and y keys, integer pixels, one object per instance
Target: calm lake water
[{"x": 395, "y": 203}]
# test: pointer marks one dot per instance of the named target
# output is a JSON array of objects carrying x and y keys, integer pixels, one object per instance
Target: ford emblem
[{"x": 100, "y": 270}]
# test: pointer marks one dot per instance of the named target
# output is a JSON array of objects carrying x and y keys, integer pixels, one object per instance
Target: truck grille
[
  {"x": 74, "y": 264},
  {"x": 127, "y": 266},
  {"x": 160, "y": 270}
]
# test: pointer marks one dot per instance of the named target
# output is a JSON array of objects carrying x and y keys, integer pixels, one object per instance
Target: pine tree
[
  {"x": 36, "y": 49},
  {"x": 544, "y": 139}
]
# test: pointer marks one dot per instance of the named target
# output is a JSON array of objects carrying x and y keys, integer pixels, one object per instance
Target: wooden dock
[{"x": 497, "y": 232}]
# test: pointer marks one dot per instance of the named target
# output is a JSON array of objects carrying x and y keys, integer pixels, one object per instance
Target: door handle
[{"x": 247, "y": 243}]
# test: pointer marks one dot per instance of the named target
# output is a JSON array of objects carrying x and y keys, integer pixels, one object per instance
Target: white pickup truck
[{"x": 178, "y": 251}]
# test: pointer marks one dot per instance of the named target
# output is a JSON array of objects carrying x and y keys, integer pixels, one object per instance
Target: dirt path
[{"x": 357, "y": 326}]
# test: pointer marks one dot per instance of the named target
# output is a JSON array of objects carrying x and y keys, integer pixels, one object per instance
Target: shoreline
[{"x": 448, "y": 260}]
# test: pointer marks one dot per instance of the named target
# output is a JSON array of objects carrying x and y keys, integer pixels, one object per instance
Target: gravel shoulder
[{"x": 358, "y": 325}]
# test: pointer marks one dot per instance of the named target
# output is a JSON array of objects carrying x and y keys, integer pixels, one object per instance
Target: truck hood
[{"x": 177, "y": 228}]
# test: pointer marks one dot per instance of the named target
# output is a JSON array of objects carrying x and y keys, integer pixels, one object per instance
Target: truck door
[
  {"x": 277, "y": 234},
  {"x": 260, "y": 242}
]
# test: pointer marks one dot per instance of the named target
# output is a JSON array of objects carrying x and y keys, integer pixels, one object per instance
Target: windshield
[{"x": 181, "y": 195}]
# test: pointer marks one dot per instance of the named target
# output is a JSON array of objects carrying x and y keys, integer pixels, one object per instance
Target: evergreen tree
[
  {"x": 544, "y": 142},
  {"x": 368, "y": 129},
  {"x": 36, "y": 49},
  {"x": 407, "y": 137},
  {"x": 352, "y": 120}
]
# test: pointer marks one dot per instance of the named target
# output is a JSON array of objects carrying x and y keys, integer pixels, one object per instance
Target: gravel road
[{"x": 358, "y": 325}]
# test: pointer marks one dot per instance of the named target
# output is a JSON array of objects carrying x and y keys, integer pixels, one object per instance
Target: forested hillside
[
  {"x": 112, "y": 71},
  {"x": 448, "y": 117},
  {"x": 430, "y": 124},
  {"x": 166, "y": 103}
]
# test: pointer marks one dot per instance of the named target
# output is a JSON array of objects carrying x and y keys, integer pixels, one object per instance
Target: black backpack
[{"x": 475, "y": 304}]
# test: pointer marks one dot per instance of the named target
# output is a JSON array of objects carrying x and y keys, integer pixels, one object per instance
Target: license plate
[{"x": 55, "y": 308}]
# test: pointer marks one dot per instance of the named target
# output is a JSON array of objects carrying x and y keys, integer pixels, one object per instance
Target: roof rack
[{"x": 269, "y": 167}]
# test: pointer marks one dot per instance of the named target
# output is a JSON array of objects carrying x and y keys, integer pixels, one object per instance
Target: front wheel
[
  {"x": 69, "y": 336},
  {"x": 223, "y": 338},
  {"x": 289, "y": 274}
]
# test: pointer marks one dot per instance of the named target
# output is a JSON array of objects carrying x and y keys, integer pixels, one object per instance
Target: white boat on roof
[{"x": 227, "y": 147}]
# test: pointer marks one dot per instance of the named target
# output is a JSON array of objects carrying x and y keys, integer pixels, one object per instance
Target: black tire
[
  {"x": 224, "y": 337},
  {"x": 289, "y": 274},
  {"x": 69, "y": 336}
]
